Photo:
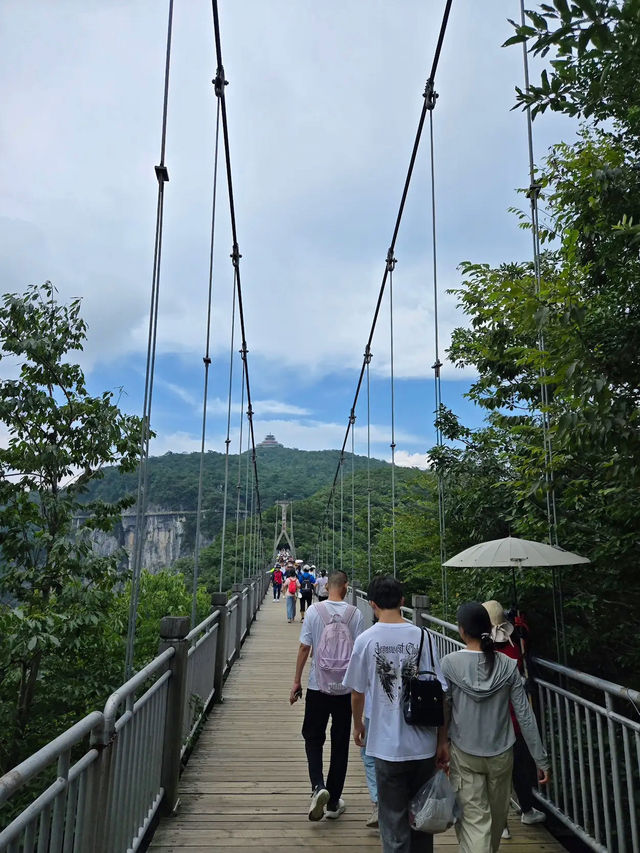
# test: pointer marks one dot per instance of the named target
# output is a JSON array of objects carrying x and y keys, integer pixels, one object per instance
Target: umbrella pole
[
  {"x": 515, "y": 599},
  {"x": 515, "y": 591}
]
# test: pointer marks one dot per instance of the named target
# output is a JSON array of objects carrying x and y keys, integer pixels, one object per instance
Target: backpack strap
[
  {"x": 326, "y": 616},
  {"x": 432, "y": 662}
]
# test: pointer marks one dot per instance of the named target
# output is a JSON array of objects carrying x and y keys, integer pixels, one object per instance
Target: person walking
[
  {"x": 509, "y": 640},
  {"x": 481, "y": 686},
  {"x": 277, "y": 583},
  {"x": 330, "y": 630},
  {"x": 405, "y": 755},
  {"x": 291, "y": 586},
  {"x": 307, "y": 584},
  {"x": 321, "y": 585}
]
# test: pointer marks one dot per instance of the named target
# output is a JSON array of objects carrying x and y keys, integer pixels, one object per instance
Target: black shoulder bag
[{"x": 422, "y": 699}]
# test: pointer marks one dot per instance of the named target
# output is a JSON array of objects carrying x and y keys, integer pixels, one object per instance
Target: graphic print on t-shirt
[{"x": 387, "y": 671}]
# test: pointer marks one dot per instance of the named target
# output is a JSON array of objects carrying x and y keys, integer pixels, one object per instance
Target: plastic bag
[{"x": 434, "y": 808}]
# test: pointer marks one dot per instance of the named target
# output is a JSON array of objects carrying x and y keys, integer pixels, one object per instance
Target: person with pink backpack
[{"x": 330, "y": 629}]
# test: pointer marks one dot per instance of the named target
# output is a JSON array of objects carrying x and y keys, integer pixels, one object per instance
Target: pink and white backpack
[{"x": 334, "y": 649}]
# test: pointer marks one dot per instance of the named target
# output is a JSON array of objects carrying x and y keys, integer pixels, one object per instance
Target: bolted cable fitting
[
  {"x": 235, "y": 256},
  {"x": 430, "y": 95},
  {"x": 534, "y": 191},
  {"x": 368, "y": 355},
  {"x": 436, "y": 367},
  {"x": 352, "y": 418},
  {"x": 219, "y": 82},
  {"x": 391, "y": 261}
]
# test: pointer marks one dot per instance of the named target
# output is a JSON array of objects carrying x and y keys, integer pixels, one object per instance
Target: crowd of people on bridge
[{"x": 487, "y": 740}]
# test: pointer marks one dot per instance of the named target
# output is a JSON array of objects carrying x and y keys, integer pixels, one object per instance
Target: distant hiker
[
  {"x": 321, "y": 586},
  {"x": 307, "y": 584},
  {"x": 481, "y": 686},
  {"x": 330, "y": 629},
  {"x": 291, "y": 586},
  {"x": 509, "y": 640},
  {"x": 277, "y": 583},
  {"x": 405, "y": 755}
]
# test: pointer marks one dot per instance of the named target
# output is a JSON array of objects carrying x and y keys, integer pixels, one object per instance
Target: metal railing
[
  {"x": 591, "y": 730},
  {"x": 130, "y": 753}
]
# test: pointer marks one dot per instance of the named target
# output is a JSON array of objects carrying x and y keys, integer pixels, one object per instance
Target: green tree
[{"x": 55, "y": 588}]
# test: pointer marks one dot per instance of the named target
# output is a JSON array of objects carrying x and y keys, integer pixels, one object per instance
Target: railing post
[
  {"x": 238, "y": 589},
  {"x": 420, "y": 603},
  {"x": 219, "y": 601},
  {"x": 92, "y": 830},
  {"x": 249, "y": 614},
  {"x": 353, "y": 594},
  {"x": 173, "y": 630}
]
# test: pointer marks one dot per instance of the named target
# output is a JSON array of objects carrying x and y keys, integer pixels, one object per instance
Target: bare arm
[
  {"x": 303, "y": 654},
  {"x": 357, "y": 709}
]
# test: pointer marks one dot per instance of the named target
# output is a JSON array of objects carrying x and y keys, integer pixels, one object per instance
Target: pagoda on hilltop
[{"x": 270, "y": 441}]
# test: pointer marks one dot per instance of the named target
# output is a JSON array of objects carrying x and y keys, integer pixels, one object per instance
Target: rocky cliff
[{"x": 163, "y": 540}]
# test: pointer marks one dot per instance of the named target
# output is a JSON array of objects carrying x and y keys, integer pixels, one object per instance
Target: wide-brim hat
[{"x": 501, "y": 628}]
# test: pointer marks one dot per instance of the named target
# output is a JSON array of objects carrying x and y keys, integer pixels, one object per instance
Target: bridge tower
[{"x": 286, "y": 534}]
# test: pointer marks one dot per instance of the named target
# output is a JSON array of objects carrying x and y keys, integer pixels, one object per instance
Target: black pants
[
  {"x": 524, "y": 773},
  {"x": 317, "y": 710},
  {"x": 305, "y": 599},
  {"x": 398, "y": 782}
]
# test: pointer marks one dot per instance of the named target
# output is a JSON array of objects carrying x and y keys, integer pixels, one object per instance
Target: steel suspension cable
[
  {"x": 341, "y": 513},
  {"x": 246, "y": 509},
  {"x": 220, "y": 82},
  {"x": 407, "y": 183},
  {"x": 391, "y": 264},
  {"x": 207, "y": 364},
  {"x": 162, "y": 176},
  {"x": 228, "y": 438}
]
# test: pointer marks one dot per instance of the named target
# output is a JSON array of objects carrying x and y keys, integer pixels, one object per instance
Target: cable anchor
[
  {"x": 219, "y": 82},
  {"x": 430, "y": 95}
]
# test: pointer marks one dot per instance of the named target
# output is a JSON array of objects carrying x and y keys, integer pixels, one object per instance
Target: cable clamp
[
  {"x": 162, "y": 173},
  {"x": 436, "y": 366},
  {"x": 430, "y": 95},
  {"x": 534, "y": 191},
  {"x": 352, "y": 418},
  {"x": 219, "y": 82},
  {"x": 235, "y": 256},
  {"x": 391, "y": 261},
  {"x": 393, "y": 445},
  {"x": 368, "y": 355},
  {"x": 206, "y": 360}
]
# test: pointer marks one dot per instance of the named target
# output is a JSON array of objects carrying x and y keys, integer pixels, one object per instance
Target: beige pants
[{"x": 483, "y": 786}]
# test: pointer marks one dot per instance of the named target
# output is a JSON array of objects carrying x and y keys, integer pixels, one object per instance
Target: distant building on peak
[{"x": 270, "y": 441}]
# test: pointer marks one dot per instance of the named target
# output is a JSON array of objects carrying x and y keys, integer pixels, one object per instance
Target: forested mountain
[{"x": 173, "y": 481}]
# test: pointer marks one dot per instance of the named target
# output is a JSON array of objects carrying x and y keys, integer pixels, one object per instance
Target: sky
[{"x": 323, "y": 103}]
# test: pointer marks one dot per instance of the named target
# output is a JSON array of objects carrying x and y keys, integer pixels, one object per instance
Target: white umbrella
[{"x": 513, "y": 553}]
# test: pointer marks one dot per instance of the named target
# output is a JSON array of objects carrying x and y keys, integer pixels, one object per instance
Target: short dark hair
[
  {"x": 337, "y": 578},
  {"x": 385, "y": 591}
]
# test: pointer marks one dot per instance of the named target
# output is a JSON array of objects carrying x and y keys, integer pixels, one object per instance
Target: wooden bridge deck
[{"x": 246, "y": 785}]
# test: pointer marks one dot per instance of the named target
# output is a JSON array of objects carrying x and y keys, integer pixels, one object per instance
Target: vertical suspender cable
[
  {"x": 367, "y": 356},
  {"x": 341, "y": 511},
  {"x": 333, "y": 532},
  {"x": 207, "y": 364},
  {"x": 430, "y": 98},
  {"x": 228, "y": 438},
  {"x": 353, "y": 500},
  {"x": 391, "y": 265},
  {"x": 162, "y": 175},
  {"x": 246, "y": 509},
  {"x": 239, "y": 486},
  {"x": 533, "y": 194}
]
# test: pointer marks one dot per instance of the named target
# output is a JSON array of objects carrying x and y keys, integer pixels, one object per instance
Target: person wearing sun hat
[{"x": 507, "y": 641}]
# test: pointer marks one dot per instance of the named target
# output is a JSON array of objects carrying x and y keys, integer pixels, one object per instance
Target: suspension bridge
[{"x": 169, "y": 764}]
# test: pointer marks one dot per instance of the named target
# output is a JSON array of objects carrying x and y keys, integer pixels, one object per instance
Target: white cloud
[{"x": 411, "y": 460}]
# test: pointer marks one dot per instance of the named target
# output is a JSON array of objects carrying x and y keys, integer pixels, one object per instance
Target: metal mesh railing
[{"x": 200, "y": 673}]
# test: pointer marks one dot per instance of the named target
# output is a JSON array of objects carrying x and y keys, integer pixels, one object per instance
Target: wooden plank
[{"x": 246, "y": 786}]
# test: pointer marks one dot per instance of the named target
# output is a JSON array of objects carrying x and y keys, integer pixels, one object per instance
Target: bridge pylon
[{"x": 286, "y": 533}]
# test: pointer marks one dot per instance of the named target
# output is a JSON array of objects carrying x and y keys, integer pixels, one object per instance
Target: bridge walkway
[{"x": 246, "y": 785}]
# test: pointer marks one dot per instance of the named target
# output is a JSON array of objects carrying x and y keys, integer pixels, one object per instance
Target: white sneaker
[
  {"x": 319, "y": 800},
  {"x": 373, "y": 820},
  {"x": 335, "y": 813},
  {"x": 533, "y": 816},
  {"x": 505, "y": 833}
]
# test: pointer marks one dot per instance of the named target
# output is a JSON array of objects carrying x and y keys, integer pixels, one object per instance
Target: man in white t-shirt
[
  {"x": 320, "y": 706},
  {"x": 405, "y": 755}
]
